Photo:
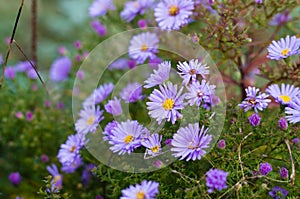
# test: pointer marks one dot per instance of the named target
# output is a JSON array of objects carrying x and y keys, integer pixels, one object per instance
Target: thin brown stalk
[{"x": 11, "y": 41}]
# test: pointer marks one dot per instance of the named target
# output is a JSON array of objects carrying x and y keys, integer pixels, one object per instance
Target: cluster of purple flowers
[
  {"x": 287, "y": 95},
  {"x": 21, "y": 67}
]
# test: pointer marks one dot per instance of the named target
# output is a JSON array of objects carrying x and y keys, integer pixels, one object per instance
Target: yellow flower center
[
  {"x": 144, "y": 47},
  {"x": 72, "y": 149},
  {"x": 192, "y": 72},
  {"x": 56, "y": 179},
  {"x": 128, "y": 139},
  {"x": 285, "y": 98},
  {"x": 155, "y": 149},
  {"x": 168, "y": 104},
  {"x": 140, "y": 195},
  {"x": 284, "y": 52},
  {"x": 252, "y": 101},
  {"x": 91, "y": 120},
  {"x": 173, "y": 10}
]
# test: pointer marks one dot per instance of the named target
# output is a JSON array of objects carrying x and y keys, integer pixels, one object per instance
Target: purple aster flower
[
  {"x": 157, "y": 163},
  {"x": 71, "y": 168},
  {"x": 127, "y": 136},
  {"x": 132, "y": 92},
  {"x": 296, "y": 140},
  {"x": 221, "y": 144},
  {"x": 22, "y": 66},
  {"x": 293, "y": 111},
  {"x": 60, "y": 105},
  {"x": 189, "y": 142},
  {"x": 31, "y": 73},
  {"x": 278, "y": 193},
  {"x": 265, "y": 168},
  {"x": 166, "y": 103},
  {"x": 60, "y": 69},
  {"x": 190, "y": 71},
  {"x": 89, "y": 120},
  {"x": 57, "y": 178},
  {"x": 29, "y": 116},
  {"x": 99, "y": 28},
  {"x": 70, "y": 150},
  {"x": 258, "y": 1},
  {"x": 172, "y": 14},
  {"x": 153, "y": 144},
  {"x": 119, "y": 64},
  {"x": 108, "y": 130},
  {"x": 153, "y": 63},
  {"x": 168, "y": 142},
  {"x": 254, "y": 119},
  {"x": 44, "y": 158},
  {"x": 132, "y": 8},
  {"x": 284, "y": 48},
  {"x": 283, "y": 123},
  {"x": 100, "y": 7},
  {"x": 99, "y": 94},
  {"x": 62, "y": 50},
  {"x": 114, "y": 106},
  {"x": 258, "y": 102},
  {"x": 216, "y": 180},
  {"x": 19, "y": 115},
  {"x": 86, "y": 174},
  {"x": 143, "y": 46},
  {"x": 47, "y": 104},
  {"x": 78, "y": 58},
  {"x": 148, "y": 189},
  {"x": 284, "y": 95},
  {"x": 280, "y": 19},
  {"x": 284, "y": 173},
  {"x": 15, "y": 178},
  {"x": 10, "y": 72},
  {"x": 160, "y": 75},
  {"x": 77, "y": 45},
  {"x": 199, "y": 92},
  {"x": 80, "y": 74},
  {"x": 142, "y": 23}
]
